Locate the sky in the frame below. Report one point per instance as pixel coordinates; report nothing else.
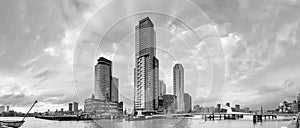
(240, 51)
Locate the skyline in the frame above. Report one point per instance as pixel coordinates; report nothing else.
(51, 59)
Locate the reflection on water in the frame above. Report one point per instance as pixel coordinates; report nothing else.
(156, 123)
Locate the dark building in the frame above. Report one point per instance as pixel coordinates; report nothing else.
(103, 78)
(169, 103)
(120, 107)
(237, 108)
(106, 86)
(187, 102)
(228, 104)
(298, 101)
(160, 104)
(218, 108)
(70, 107)
(115, 90)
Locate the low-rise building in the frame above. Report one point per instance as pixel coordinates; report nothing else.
(197, 108)
(99, 108)
(169, 103)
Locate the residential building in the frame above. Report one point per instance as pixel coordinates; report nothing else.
(178, 86)
(146, 71)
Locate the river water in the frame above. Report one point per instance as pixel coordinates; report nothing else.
(155, 123)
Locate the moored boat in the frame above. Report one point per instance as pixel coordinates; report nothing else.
(15, 123)
(12, 123)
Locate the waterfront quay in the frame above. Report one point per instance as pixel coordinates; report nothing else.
(236, 116)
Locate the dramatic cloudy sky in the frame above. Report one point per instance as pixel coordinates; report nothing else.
(240, 51)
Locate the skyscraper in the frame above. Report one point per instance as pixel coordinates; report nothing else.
(161, 88)
(146, 69)
(103, 73)
(114, 89)
(187, 102)
(178, 86)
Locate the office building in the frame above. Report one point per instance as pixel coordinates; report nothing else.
(178, 86)
(100, 108)
(146, 71)
(70, 107)
(187, 102)
(103, 74)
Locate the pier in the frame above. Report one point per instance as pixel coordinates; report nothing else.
(234, 116)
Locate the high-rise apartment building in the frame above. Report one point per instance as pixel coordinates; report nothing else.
(178, 86)
(146, 71)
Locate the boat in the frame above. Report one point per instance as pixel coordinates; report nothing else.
(15, 123)
(12, 123)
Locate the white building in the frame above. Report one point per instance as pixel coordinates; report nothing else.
(178, 86)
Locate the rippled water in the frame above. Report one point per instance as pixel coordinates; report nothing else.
(156, 123)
